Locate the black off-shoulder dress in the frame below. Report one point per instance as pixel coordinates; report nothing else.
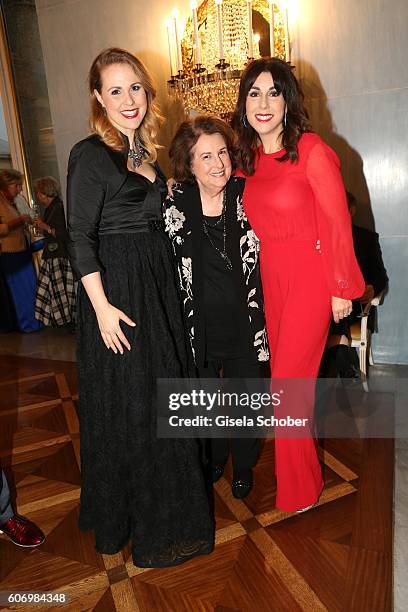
(134, 486)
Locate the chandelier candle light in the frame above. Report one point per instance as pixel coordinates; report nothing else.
(178, 46)
(207, 58)
(220, 35)
(171, 58)
(250, 33)
(271, 29)
(196, 35)
(286, 29)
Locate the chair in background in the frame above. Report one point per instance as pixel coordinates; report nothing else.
(361, 338)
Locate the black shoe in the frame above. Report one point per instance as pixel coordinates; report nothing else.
(241, 487)
(217, 472)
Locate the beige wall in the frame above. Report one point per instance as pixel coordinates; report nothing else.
(72, 34)
(352, 58)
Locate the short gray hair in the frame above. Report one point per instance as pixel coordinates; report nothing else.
(47, 185)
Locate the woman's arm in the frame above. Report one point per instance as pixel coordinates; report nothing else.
(17, 221)
(85, 201)
(107, 315)
(4, 229)
(56, 225)
(343, 274)
(85, 198)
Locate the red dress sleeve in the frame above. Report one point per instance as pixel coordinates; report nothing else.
(344, 276)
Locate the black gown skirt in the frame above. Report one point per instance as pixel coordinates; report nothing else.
(134, 485)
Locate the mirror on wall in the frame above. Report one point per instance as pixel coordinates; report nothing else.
(5, 157)
(22, 40)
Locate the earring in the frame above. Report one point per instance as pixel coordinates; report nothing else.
(245, 121)
(284, 118)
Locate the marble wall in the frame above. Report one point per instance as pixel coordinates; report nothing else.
(351, 58)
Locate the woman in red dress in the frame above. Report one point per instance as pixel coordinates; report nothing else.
(295, 201)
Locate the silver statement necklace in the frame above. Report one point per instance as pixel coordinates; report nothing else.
(137, 154)
(223, 253)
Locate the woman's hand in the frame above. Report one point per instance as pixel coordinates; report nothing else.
(341, 308)
(46, 228)
(108, 320)
(17, 221)
(41, 225)
(170, 184)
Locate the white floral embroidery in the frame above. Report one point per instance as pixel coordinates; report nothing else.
(185, 272)
(251, 302)
(186, 268)
(249, 248)
(174, 220)
(261, 340)
(241, 216)
(191, 336)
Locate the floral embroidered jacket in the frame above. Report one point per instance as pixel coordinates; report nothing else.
(184, 222)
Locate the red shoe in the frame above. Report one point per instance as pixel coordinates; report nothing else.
(22, 532)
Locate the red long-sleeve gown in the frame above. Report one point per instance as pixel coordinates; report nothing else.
(299, 213)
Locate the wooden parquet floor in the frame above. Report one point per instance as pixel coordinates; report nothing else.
(336, 557)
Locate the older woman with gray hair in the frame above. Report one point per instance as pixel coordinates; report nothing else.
(55, 300)
(216, 254)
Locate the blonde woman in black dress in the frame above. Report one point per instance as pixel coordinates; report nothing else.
(130, 330)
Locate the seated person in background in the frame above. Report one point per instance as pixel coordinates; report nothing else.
(368, 252)
(20, 530)
(55, 298)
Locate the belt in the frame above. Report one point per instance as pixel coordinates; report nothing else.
(156, 225)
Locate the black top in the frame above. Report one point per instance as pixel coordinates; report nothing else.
(137, 202)
(104, 197)
(54, 216)
(227, 291)
(369, 257)
(225, 312)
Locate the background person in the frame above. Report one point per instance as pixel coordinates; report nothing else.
(55, 297)
(8, 320)
(295, 201)
(16, 259)
(216, 253)
(130, 330)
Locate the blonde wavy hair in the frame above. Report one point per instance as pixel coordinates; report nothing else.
(9, 176)
(99, 122)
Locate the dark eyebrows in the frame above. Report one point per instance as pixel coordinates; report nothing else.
(272, 88)
(224, 148)
(119, 86)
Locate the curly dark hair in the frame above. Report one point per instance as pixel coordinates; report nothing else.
(297, 121)
(186, 137)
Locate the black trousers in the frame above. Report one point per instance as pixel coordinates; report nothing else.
(244, 451)
(6, 509)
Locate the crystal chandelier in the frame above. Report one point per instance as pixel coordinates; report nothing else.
(218, 40)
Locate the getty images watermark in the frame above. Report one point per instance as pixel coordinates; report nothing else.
(289, 408)
(216, 401)
(222, 408)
